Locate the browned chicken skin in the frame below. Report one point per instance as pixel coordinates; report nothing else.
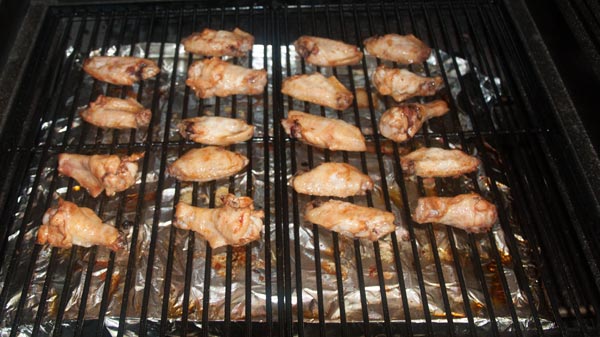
(215, 77)
(206, 164)
(96, 173)
(334, 180)
(120, 70)
(362, 99)
(219, 43)
(318, 89)
(214, 130)
(470, 212)
(350, 220)
(324, 133)
(402, 122)
(326, 52)
(402, 84)
(116, 113)
(436, 162)
(236, 223)
(405, 49)
(68, 225)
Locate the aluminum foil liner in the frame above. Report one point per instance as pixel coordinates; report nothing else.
(71, 131)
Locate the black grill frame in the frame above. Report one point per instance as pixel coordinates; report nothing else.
(562, 236)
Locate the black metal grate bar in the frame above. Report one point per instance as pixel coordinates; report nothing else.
(191, 236)
(450, 232)
(514, 251)
(472, 242)
(399, 180)
(162, 175)
(562, 270)
(16, 253)
(389, 287)
(36, 251)
(497, 259)
(54, 253)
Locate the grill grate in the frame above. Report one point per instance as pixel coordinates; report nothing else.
(83, 291)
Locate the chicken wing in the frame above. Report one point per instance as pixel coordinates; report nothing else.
(333, 180)
(219, 43)
(318, 89)
(327, 53)
(436, 162)
(324, 133)
(111, 173)
(236, 223)
(405, 49)
(402, 122)
(120, 70)
(206, 164)
(69, 224)
(213, 130)
(215, 77)
(350, 220)
(402, 84)
(116, 113)
(470, 212)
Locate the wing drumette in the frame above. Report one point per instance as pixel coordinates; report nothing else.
(350, 220)
(68, 225)
(120, 70)
(402, 84)
(213, 130)
(206, 164)
(404, 121)
(318, 89)
(96, 173)
(327, 53)
(405, 49)
(215, 77)
(116, 113)
(436, 162)
(470, 212)
(322, 132)
(236, 223)
(219, 43)
(334, 180)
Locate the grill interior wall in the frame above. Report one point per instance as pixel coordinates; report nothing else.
(509, 136)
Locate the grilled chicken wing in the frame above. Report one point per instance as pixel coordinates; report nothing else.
(206, 164)
(116, 113)
(69, 224)
(322, 132)
(402, 122)
(470, 212)
(350, 220)
(318, 89)
(405, 49)
(333, 180)
(236, 223)
(213, 130)
(215, 77)
(402, 84)
(327, 53)
(96, 173)
(120, 70)
(219, 43)
(436, 162)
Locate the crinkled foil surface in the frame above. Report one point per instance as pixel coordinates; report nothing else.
(452, 247)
